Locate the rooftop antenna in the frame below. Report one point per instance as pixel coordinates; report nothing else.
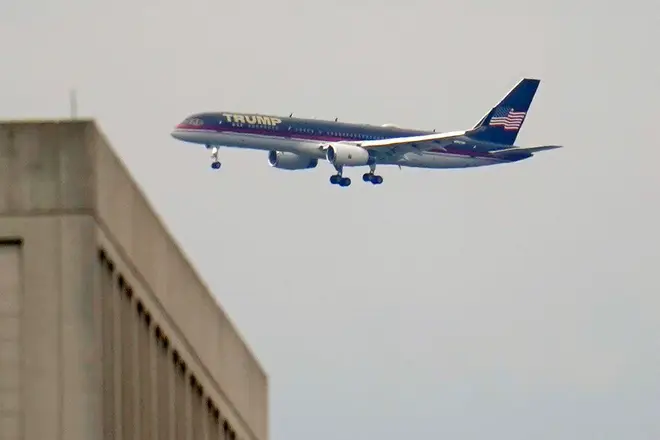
(73, 104)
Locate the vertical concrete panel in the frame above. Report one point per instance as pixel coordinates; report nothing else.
(11, 411)
(180, 407)
(81, 348)
(135, 369)
(203, 419)
(97, 300)
(188, 412)
(215, 426)
(225, 430)
(164, 390)
(195, 404)
(127, 363)
(118, 355)
(171, 410)
(199, 419)
(154, 378)
(107, 294)
(208, 419)
(42, 331)
(144, 364)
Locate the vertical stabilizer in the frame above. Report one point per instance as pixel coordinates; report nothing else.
(503, 122)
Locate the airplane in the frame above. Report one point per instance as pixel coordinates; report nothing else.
(298, 143)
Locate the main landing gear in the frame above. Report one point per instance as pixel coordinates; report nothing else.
(214, 157)
(371, 177)
(339, 179)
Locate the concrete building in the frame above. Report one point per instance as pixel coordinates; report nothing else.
(106, 331)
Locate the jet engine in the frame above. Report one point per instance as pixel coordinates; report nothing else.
(347, 155)
(290, 161)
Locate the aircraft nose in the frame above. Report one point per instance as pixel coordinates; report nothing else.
(176, 133)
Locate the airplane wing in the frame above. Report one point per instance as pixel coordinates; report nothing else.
(421, 141)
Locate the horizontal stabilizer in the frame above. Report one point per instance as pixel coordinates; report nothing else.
(528, 151)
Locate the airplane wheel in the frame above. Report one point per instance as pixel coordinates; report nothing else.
(335, 179)
(366, 177)
(345, 181)
(216, 165)
(377, 180)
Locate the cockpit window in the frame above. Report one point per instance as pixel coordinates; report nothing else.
(194, 121)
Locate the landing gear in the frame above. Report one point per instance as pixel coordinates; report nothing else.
(338, 179)
(214, 157)
(371, 177)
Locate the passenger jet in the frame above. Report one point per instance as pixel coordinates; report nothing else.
(297, 143)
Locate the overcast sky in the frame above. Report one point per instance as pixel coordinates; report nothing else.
(511, 302)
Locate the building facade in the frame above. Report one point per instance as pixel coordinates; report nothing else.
(106, 331)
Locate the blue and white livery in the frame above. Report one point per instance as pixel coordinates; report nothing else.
(297, 143)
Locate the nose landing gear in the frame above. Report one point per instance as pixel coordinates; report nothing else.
(215, 164)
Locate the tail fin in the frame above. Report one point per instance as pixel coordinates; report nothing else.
(503, 122)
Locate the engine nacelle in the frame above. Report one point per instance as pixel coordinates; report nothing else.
(291, 161)
(347, 155)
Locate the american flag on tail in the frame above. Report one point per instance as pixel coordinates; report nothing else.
(508, 118)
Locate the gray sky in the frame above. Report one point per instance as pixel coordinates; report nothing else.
(514, 302)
